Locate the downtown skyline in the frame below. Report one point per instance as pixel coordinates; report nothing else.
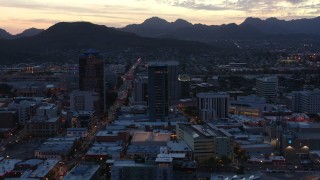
(18, 15)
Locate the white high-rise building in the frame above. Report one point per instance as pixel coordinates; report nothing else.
(306, 101)
(267, 87)
(213, 105)
(83, 100)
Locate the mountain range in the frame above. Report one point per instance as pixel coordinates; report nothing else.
(26, 33)
(65, 40)
(251, 28)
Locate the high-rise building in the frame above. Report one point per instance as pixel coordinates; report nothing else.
(213, 105)
(162, 88)
(91, 76)
(184, 86)
(267, 87)
(306, 101)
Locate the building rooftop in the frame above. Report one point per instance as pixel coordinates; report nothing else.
(31, 162)
(164, 160)
(144, 149)
(177, 146)
(104, 149)
(163, 63)
(268, 79)
(212, 94)
(82, 171)
(308, 135)
(47, 106)
(7, 165)
(44, 168)
(205, 131)
(172, 155)
(109, 132)
(149, 136)
(41, 118)
(129, 163)
(56, 147)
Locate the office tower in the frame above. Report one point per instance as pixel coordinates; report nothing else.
(91, 76)
(267, 87)
(184, 86)
(306, 101)
(162, 88)
(213, 105)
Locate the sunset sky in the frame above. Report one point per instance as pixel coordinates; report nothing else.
(17, 15)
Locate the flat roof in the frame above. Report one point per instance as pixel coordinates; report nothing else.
(164, 159)
(172, 155)
(150, 136)
(7, 165)
(104, 149)
(57, 147)
(163, 63)
(147, 149)
(31, 162)
(77, 129)
(129, 163)
(47, 106)
(177, 146)
(262, 145)
(44, 168)
(308, 135)
(82, 171)
(109, 132)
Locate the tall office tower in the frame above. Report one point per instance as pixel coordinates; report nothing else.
(91, 76)
(162, 88)
(184, 86)
(213, 105)
(267, 87)
(306, 101)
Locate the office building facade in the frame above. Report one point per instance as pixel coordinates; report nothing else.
(91, 76)
(213, 105)
(267, 87)
(162, 88)
(306, 101)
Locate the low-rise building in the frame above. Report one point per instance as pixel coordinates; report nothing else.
(112, 136)
(206, 140)
(150, 138)
(77, 132)
(100, 151)
(84, 171)
(55, 148)
(149, 169)
(44, 126)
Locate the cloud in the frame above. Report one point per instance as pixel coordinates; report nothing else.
(296, 1)
(192, 4)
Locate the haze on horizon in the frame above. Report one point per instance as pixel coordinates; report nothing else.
(18, 15)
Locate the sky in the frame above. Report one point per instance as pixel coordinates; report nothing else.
(18, 15)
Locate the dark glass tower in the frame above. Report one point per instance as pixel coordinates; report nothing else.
(91, 76)
(162, 89)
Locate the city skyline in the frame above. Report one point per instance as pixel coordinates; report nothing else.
(19, 15)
